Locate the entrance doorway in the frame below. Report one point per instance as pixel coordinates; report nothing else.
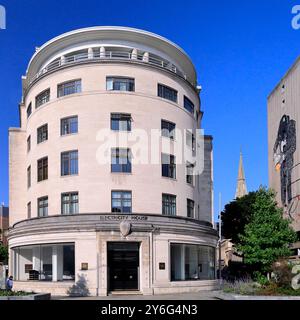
(123, 265)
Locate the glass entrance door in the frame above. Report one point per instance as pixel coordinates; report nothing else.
(123, 266)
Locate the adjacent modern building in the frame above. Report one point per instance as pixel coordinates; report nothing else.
(4, 223)
(82, 225)
(284, 145)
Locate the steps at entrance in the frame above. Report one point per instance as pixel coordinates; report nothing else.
(123, 293)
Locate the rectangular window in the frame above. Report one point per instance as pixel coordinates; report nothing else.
(69, 125)
(188, 105)
(192, 262)
(167, 93)
(168, 166)
(67, 88)
(190, 208)
(119, 84)
(121, 201)
(168, 205)
(29, 177)
(29, 210)
(42, 166)
(29, 110)
(69, 203)
(190, 140)
(120, 122)
(42, 98)
(43, 207)
(69, 163)
(28, 143)
(168, 129)
(121, 160)
(42, 133)
(190, 173)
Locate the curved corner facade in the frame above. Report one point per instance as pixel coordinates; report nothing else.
(100, 198)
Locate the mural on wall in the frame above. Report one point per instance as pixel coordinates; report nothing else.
(284, 149)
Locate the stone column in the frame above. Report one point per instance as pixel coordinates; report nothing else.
(146, 57)
(90, 53)
(57, 263)
(134, 54)
(102, 52)
(182, 261)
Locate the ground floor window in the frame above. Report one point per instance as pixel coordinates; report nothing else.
(50, 262)
(192, 262)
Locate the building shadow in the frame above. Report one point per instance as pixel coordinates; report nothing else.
(80, 288)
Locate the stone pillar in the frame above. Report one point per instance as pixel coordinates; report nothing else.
(134, 54)
(62, 60)
(36, 258)
(146, 57)
(182, 262)
(90, 53)
(102, 52)
(57, 263)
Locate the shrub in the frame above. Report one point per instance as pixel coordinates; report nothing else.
(282, 273)
(243, 287)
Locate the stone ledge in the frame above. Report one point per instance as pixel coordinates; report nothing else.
(230, 296)
(38, 296)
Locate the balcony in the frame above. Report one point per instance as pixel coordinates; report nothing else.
(98, 55)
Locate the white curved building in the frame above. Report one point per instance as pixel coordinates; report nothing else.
(82, 224)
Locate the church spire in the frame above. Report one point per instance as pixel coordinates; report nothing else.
(241, 188)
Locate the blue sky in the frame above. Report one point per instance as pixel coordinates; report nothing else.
(241, 49)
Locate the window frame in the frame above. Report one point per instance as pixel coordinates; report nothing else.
(42, 98)
(190, 166)
(126, 117)
(170, 166)
(29, 110)
(69, 126)
(129, 84)
(74, 204)
(41, 166)
(43, 207)
(29, 177)
(161, 88)
(188, 105)
(125, 167)
(122, 200)
(171, 133)
(190, 205)
(70, 159)
(42, 133)
(67, 85)
(169, 206)
(28, 143)
(29, 210)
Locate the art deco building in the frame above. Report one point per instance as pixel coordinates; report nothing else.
(4, 224)
(79, 223)
(284, 144)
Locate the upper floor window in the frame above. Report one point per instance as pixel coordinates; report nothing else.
(190, 173)
(42, 167)
(168, 129)
(67, 88)
(29, 210)
(69, 163)
(29, 177)
(121, 201)
(190, 140)
(168, 205)
(69, 125)
(188, 105)
(120, 122)
(168, 166)
(42, 98)
(190, 208)
(42, 133)
(167, 93)
(69, 203)
(29, 110)
(120, 160)
(43, 207)
(119, 84)
(28, 143)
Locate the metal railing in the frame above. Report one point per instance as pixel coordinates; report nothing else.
(109, 55)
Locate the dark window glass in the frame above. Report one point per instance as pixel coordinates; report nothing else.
(29, 210)
(69, 125)
(120, 122)
(121, 160)
(190, 140)
(43, 207)
(168, 129)
(188, 105)
(68, 88)
(167, 93)
(29, 110)
(69, 203)
(119, 84)
(190, 208)
(42, 133)
(168, 205)
(29, 177)
(121, 201)
(42, 167)
(69, 163)
(190, 173)
(168, 166)
(28, 143)
(42, 98)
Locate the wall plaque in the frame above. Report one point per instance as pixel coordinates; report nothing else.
(162, 266)
(84, 266)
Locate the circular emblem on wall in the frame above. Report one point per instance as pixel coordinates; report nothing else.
(125, 228)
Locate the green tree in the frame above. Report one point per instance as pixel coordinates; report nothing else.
(268, 235)
(236, 216)
(3, 254)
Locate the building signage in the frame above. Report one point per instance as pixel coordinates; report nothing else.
(123, 218)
